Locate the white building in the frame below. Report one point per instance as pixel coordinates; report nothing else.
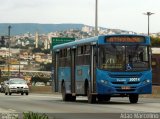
(155, 50)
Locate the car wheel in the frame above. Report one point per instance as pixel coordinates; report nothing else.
(6, 93)
(22, 93)
(10, 93)
(27, 93)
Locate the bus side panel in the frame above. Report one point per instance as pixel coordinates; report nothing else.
(64, 74)
(82, 74)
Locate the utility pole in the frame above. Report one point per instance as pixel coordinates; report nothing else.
(148, 14)
(9, 57)
(19, 64)
(96, 18)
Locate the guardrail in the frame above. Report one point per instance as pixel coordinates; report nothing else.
(14, 73)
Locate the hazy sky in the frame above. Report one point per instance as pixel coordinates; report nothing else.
(119, 14)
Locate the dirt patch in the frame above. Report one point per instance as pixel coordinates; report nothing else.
(41, 89)
(155, 92)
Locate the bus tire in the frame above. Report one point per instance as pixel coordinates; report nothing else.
(102, 98)
(73, 98)
(91, 97)
(65, 97)
(133, 98)
(86, 87)
(107, 98)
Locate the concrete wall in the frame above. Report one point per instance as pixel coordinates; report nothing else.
(48, 89)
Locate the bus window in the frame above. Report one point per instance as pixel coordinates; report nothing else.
(87, 51)
(68, 52)
(79, 51)
(137, 57)
(112, 58)
(60, 53)
(82, 49)
(119, 57)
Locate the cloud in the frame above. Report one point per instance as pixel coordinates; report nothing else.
(24, 4)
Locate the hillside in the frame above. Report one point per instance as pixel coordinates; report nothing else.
(21, 28)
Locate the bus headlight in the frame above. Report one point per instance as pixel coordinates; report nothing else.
(104, 81)
(146, 81)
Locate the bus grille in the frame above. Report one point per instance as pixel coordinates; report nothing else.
(137, 82)
(121, 90)
(117, 82)
(125, 75)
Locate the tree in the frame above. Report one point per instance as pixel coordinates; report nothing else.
(36, 50)
(46, 51)
(155, 41)
(2, 41)
(46, 67)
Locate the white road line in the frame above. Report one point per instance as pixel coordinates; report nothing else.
(2, 110)
(12, 110)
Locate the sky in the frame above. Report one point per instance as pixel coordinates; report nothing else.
(115, 14)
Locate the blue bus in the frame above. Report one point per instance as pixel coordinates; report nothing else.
(102, 67)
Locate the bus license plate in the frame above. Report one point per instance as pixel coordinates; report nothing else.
(125, 87)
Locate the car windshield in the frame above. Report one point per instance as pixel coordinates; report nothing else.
(17, 81)
(124, 58)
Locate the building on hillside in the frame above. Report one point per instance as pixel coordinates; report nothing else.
(36, 39)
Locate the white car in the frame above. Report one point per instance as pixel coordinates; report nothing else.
(40, 84)
(17, 85)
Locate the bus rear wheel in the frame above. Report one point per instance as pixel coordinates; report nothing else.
(73, 98)
(102, 98)
(65, 97)
(91, 97)
(133, 98)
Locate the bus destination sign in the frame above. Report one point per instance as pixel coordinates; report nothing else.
(125, 39)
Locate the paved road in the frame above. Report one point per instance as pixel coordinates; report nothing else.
(53, 104)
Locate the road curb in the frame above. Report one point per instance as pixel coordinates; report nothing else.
(48, 90)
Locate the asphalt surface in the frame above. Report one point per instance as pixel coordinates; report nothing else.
(55, 108)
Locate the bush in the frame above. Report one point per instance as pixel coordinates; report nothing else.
(39, 79)
(31, 115)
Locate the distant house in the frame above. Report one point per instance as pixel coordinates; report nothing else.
(41, 57)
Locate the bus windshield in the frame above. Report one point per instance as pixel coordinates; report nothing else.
(124, 58)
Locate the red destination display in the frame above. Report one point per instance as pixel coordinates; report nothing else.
(125, 39)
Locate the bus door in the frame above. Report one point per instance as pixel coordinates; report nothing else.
(73, 68)
(56, 82)
(93, 69)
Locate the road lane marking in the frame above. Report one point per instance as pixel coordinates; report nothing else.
(12, 110)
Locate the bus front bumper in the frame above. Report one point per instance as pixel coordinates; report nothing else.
(124, 89)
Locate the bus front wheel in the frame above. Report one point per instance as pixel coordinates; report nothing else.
(133, 98)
